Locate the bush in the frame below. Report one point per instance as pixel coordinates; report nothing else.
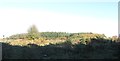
(33, 33)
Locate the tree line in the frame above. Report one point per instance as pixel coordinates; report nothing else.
(33, 34)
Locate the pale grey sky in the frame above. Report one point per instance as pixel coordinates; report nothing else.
(97, 17)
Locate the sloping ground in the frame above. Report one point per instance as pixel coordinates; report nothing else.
(40, 42)
(66, 50)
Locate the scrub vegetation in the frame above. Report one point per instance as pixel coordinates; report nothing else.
(60, 45)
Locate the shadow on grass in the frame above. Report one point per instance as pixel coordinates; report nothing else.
(96, 49)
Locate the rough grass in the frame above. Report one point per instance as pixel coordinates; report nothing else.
(39, 42)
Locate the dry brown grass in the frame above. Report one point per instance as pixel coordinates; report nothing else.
(40, 42)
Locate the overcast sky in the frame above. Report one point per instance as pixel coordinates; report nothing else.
(99, 16)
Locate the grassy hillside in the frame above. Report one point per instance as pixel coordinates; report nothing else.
(76, 46)
(96, 49)
(60, 45)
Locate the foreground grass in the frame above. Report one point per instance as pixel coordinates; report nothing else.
(65, 50)
(39, 42)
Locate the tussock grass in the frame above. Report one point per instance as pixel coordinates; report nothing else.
(39, 42)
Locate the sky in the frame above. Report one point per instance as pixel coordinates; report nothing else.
(100, 16)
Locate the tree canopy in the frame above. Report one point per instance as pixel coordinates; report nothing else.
(33, 32)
